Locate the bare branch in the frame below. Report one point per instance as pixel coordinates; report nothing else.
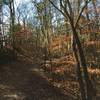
(70, 8)
(78, 18)
(65, 13)
(57, 8)
(64, 8)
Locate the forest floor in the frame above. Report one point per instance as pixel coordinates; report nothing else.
(24, 81)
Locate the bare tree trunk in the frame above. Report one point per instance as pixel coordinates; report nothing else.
(79, 73)
(88, 84)
(12, 21)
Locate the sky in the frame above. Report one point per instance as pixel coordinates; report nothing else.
(16, 4)
(23, 1)
(19, 1)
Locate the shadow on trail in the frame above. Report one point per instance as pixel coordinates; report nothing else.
(19, 82)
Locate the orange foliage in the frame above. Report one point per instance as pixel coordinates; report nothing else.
(23, 33)
(60, 70)
(57, 42)
(89, 31)
(91, 43)
(94, 71)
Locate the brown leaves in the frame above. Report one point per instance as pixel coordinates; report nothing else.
(23, 33)
(93, 43)
(58, 42)
(94, 71)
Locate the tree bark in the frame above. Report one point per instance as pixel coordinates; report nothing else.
(79, 73)
(88, 84)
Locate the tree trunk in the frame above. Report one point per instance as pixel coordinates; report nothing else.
(79, 73)
(12, 22)
(88, 84)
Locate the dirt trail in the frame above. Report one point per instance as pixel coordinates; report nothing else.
(21, 81)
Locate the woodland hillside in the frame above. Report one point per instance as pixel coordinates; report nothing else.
(50, 50)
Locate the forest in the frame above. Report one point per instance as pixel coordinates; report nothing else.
(49, 49)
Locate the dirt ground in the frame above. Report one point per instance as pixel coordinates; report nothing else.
(24, 81)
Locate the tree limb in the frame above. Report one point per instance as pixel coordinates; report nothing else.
(57, 8)
(78, 18)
